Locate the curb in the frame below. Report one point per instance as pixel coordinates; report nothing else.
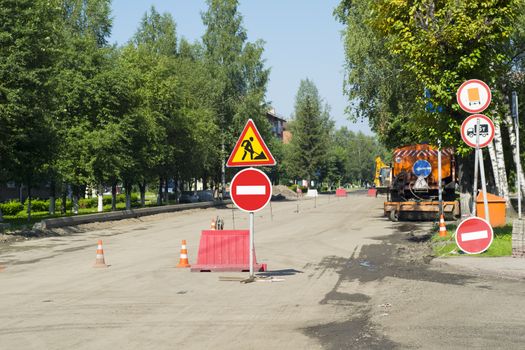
(122, 214)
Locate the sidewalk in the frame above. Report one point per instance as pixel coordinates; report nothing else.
(508, 267)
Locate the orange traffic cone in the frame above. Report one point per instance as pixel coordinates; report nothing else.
(100, 262)
(183, 262)
(442, 226)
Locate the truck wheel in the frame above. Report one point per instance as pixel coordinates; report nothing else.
(394, 216)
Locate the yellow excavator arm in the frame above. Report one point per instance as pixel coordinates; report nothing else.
(379, 165)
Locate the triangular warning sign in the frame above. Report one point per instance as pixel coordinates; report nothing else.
(250, 149)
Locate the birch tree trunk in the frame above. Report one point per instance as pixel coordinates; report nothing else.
(500, 159)
(100, 199)
(513, 142)
(493, 162)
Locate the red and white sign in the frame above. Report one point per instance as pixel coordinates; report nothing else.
(251, 190)
(474, 235)
(470, 126)
(474, 96)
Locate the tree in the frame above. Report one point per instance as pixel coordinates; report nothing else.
(29, 46)
(310, 128)
(377, 86)
(157, 32)
(437, 46)
(237, 70)
(80, 108)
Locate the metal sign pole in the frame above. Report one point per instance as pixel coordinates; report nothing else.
(483, 186)
(476, 162)
(440, 189)
(518, 160)
(251, 244)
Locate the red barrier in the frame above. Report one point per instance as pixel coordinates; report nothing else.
(372, 192)
(225, 250)
(340, 192)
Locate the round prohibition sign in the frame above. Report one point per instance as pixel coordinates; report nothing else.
(474, 235)
(250, 190)
(474, 96)
(469, 129)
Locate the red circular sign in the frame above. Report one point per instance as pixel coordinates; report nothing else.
(469, 128)
(251, 190)
(474, 96)
(474, 235)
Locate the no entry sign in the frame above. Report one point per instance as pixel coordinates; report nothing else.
(474, 235)
(469, 128)
(251, 190)
(473, 96)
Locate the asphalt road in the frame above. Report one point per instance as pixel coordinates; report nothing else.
(352, 280)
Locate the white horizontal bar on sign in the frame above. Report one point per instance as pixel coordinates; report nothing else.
(470, 236)
(251, 190)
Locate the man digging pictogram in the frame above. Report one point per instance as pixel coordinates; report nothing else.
(248, 148)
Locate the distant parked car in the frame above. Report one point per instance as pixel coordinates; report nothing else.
(188, 197)
(205, 196)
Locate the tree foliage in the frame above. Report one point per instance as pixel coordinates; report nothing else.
(78, 111)
(426, 46)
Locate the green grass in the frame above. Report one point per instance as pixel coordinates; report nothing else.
(446, 246)
(19, 221)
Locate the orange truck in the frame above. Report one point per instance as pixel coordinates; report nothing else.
(413, 191)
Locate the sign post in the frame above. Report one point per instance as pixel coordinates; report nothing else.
(478, 131)
(251, 189)
(440, 187)
(518, 160)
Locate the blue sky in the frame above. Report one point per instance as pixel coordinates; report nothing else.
(302, 38)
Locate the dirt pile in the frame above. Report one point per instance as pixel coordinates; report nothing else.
(283, 192)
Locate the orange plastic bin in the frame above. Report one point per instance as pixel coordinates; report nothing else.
(497, 209)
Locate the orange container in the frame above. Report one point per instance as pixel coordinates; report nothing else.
(497, 209)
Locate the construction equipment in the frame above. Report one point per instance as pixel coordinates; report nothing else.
(382, 176)
(413, 188)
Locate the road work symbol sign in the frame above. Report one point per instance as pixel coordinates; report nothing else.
(474, 96)
(250, 149)
(469, 129)
(474, 235)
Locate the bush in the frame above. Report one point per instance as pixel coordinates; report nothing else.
(58, 204)
(304, 189)
(11, 207)
(106, 200)
(293, 187)
(37, 205)
(85, 203)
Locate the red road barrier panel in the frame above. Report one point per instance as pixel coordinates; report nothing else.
(372, 192)
(226, 250)
(340, 192)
